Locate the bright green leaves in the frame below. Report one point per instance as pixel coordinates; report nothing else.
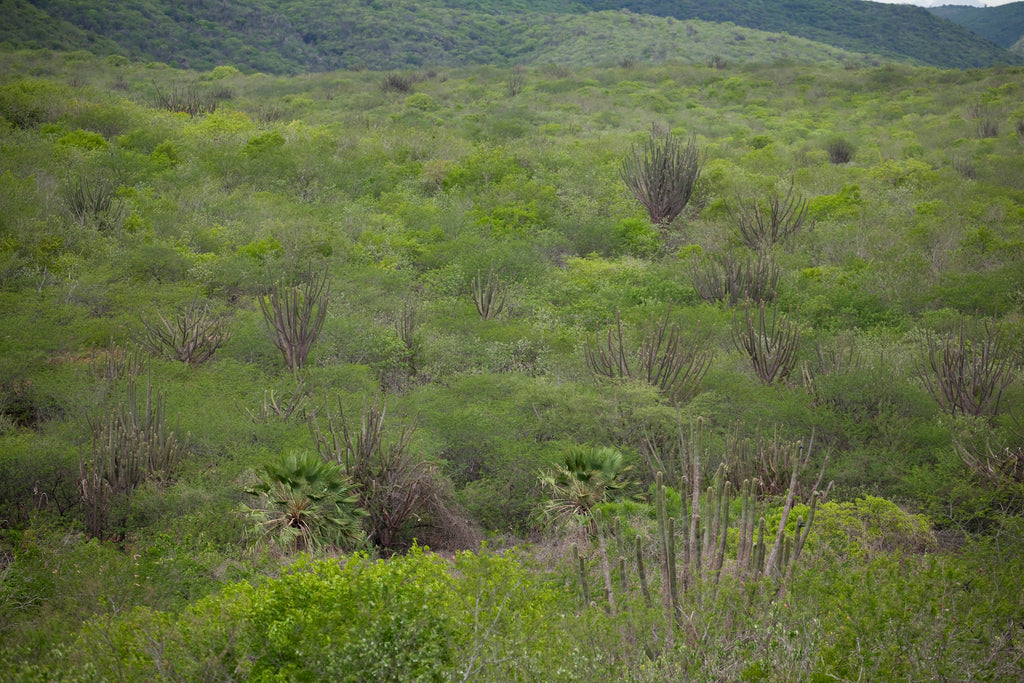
(83, 140)
(413, 618)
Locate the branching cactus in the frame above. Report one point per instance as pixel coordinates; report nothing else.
(488, 295)
(673, 362)
(192, 336)
(732, 279)
(965, 375)
(295, 314)
(661, 172)
(703, 526)
(130, 442)
(761, 226)
(771, 345)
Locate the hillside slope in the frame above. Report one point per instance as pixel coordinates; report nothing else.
(279, 36)
(898, 31)
(1003, 25)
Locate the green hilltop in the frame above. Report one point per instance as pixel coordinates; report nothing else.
(901, 32)
(275, 36)
(1003, 25)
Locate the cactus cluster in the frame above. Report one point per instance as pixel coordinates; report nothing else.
(673, 362)
(488, 295)
(694, 549)
(130, 442)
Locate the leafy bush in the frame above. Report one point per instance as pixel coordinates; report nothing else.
(845, 204)
(264, 143)
(421, 101)
(30, 102)
(870, 526)
(82, 139)
(636, 237)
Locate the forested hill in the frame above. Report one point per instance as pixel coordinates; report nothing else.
(899, 31)
(292, 36)
(1003, 25)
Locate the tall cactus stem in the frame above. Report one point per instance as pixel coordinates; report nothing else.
(673, 587)
(666, 595)
(694, 471)
(606, 571)
(759, 550)
(724, 538)
(642, 572)
(581, 573)
(802, 530)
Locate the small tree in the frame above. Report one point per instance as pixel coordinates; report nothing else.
(661, 172)
(294, 315)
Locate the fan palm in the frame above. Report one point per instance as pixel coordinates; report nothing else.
(584, 478)
(305, 503)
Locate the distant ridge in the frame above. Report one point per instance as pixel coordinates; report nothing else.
(1003, 25)
(900, 31)
(292, 36)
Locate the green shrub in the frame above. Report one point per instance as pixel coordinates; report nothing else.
(224, 71)
(157, 262)
(82, 139)
(165, 154)
(421, 101)
(869, 526)
(264, 143)
(906, 172)
(843, 205)
(636, 237)
(30, 102)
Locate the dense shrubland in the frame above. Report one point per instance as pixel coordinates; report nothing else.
(267, 328)
(300, 36)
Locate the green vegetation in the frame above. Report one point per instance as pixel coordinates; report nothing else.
(255, 359)
(896, 31)
(1003, 25)
(278, 36)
